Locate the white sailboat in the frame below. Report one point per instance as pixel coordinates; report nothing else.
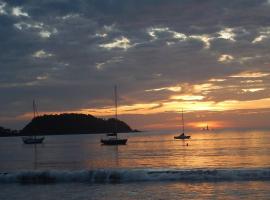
(33, 139)
(112, 138)
(182, 135)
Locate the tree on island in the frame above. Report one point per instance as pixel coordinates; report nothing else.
(72, 124)
(7, 132)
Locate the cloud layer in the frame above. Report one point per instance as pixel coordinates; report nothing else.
(162, 55)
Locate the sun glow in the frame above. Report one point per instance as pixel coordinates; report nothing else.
(187, 97)
(253, 89)
(172, 88)
(170, 106)
(212, 125)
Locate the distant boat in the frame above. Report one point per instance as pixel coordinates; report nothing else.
(111, 134)
(206, 128)
(33, 139)
(182, 136)
(112, 138)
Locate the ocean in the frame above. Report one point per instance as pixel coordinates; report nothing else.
(211, 165)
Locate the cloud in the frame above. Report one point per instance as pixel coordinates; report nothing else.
(43, 77)
(172, 88)
(41, 54)
(247, 74)
(158, 32)
(152, 50)
(120, 43)
(252, 81)
(195, 106)
(70, 16)
(217, 79)
(99, 66)
(25, 25)
(259, 39)
(205, 88)
(44, 31)
(187, 97)
(102, 65)
(101, 35)
(18, 12)
(204, 38)
(226, 58)
(47, 34)
(253, 89)
(264, 34)
(2, 8)
(227, 34)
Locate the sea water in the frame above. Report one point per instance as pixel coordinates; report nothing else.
(211, 165)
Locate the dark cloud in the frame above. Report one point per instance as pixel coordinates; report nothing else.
(67, 53)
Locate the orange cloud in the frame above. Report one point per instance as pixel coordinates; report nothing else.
(248, 74)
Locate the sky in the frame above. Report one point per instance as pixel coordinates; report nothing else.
(209, 58)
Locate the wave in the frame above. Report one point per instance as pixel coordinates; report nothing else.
(135, 175)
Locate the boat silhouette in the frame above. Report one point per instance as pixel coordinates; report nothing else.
(112, 138)
(182, 136)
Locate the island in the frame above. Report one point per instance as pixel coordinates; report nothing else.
(70, 123)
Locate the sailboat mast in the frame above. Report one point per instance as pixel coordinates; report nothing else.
(35, 113)
(183, 122)
(34, 108)
(115, 100)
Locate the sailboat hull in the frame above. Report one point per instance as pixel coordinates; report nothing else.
(113, 141)
(182, 137)
(33, 139)
(30, 140)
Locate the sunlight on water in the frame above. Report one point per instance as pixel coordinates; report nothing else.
(144, 150)
(204, 150)
(214, 165)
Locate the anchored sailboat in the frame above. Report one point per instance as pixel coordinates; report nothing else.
(112, 138)
(206, 128)
(33, 139)
(182, 136)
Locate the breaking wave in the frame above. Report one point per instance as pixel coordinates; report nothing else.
(135, 175)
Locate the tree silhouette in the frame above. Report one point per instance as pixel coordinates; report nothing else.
(72, 124)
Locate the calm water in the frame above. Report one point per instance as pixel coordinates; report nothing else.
(216, 165)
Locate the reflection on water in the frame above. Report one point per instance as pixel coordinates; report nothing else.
(144, 150)
(148, 191)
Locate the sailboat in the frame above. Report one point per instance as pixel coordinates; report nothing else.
(33, 139)
(112, 138)
(206, 128)
(182, 136)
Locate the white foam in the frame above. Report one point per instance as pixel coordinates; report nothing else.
(135, 175)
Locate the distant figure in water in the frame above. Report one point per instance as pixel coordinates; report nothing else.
(187, 144)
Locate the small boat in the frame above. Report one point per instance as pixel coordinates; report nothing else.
(112, 138)
(33, 139)
(206, 128)
(113, 141)
(182, 136)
